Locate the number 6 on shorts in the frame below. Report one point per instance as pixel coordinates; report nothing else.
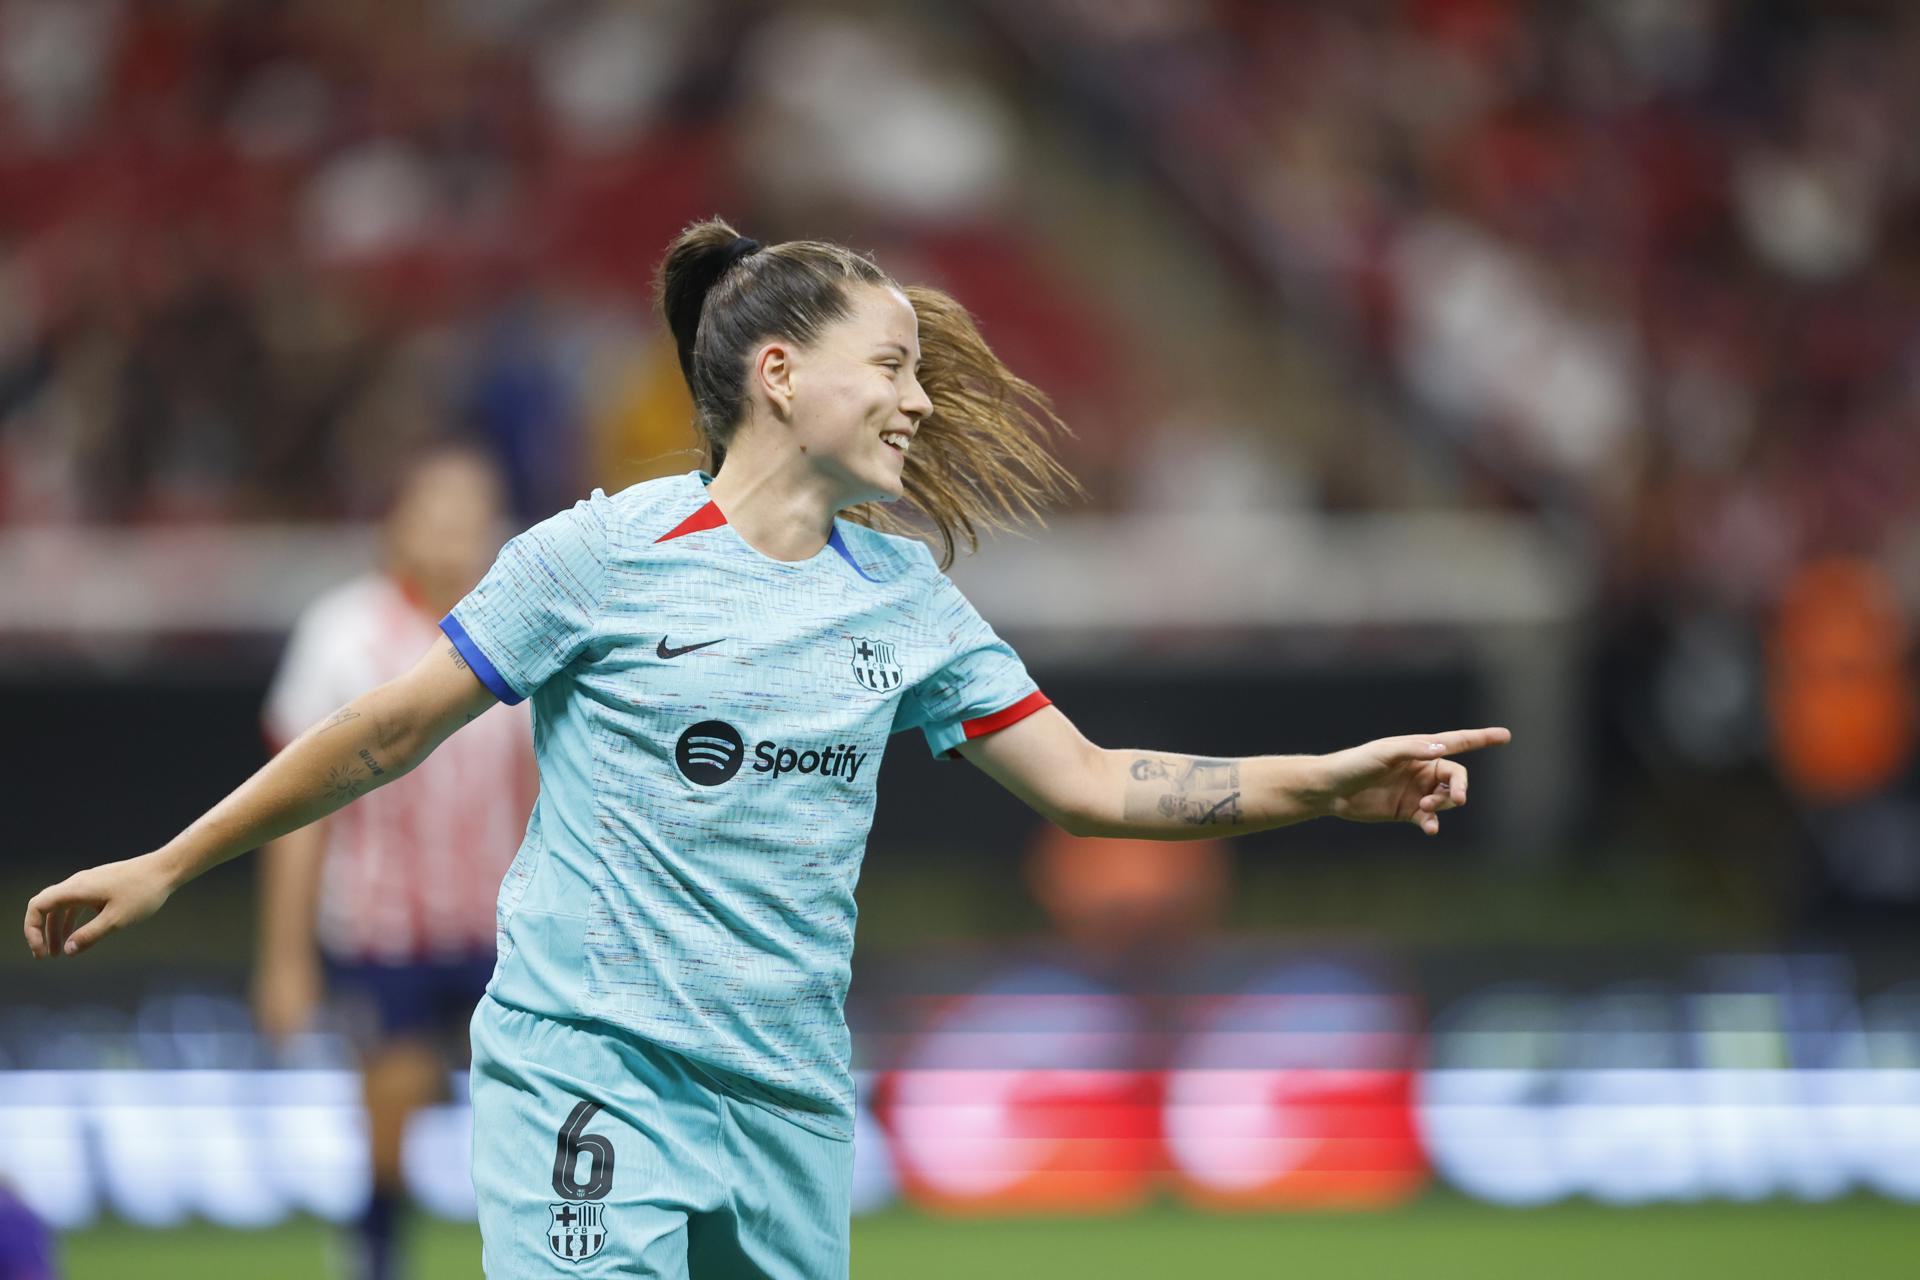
(573, 1144)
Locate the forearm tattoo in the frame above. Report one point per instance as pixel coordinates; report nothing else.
(344, 784)
(1193, 790)
(339, 718)
(386, 731)
(373, 766)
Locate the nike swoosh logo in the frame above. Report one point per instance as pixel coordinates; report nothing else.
(668, 651)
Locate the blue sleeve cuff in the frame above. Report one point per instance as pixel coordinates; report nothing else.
(481, 664)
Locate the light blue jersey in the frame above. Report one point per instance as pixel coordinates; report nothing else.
(709, 724)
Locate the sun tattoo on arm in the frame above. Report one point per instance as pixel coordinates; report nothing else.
(345, 784)
(1193, 790)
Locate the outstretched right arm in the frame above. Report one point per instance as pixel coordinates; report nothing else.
(374, 739)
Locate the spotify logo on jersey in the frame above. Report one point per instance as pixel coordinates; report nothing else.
(710, 752)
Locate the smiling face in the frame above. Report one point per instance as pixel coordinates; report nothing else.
(856, 398)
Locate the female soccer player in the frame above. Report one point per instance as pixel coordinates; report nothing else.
(661, 1080)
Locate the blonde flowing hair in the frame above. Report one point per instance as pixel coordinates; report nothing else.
(980, 461)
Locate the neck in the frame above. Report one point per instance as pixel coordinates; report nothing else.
(775, 500)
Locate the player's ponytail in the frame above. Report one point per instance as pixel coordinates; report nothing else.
(694, 264)
(692, 267)
(979, 460)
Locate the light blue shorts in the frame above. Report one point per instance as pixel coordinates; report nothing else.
(598, 1154)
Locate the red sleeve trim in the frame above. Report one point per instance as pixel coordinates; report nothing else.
(1019, 711)
(707, 517)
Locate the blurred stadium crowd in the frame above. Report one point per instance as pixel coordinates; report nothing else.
(1651, 264)
(249, 251)
(1648, 265)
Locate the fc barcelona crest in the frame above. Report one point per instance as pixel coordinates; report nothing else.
(874, 666)
(576, 1233)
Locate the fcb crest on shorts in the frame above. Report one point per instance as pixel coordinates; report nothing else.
(576, 1231)
(874, 665)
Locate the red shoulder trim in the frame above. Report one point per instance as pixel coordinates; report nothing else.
(1019, 711)
(707, 517)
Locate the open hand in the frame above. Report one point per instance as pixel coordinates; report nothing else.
(1404, 779)
(116, 894)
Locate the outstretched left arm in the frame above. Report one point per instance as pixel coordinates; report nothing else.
(1094, 791)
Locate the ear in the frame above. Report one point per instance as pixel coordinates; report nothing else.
(773, 375)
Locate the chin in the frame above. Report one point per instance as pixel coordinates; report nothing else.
(870, 483)
(886, 488)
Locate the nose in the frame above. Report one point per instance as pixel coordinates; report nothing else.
(916, 404)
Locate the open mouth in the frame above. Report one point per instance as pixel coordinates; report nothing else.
(898, 441)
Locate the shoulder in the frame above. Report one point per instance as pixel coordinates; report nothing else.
(890, 558)
(649, 498)
(603, 522)
(640, 513)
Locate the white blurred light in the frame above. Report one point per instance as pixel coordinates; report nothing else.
(243, 1149)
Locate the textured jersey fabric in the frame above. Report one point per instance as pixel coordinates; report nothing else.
(709, 724)
(411, 871)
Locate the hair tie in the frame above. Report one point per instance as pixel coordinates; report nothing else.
(740, 248)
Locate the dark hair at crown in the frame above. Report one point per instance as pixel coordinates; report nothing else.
(723, 294)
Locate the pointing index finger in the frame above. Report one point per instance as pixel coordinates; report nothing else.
(1455, 741)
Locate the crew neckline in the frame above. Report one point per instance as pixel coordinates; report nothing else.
(836, 541)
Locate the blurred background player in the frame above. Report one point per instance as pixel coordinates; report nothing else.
(391, 903)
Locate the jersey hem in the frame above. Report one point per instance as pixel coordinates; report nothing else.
(835, 1123)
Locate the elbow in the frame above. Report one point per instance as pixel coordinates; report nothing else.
(1078, 811)
(1076, 822)
(399, 737)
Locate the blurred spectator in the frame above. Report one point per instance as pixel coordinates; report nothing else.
(847, 111)
(1843, 697)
